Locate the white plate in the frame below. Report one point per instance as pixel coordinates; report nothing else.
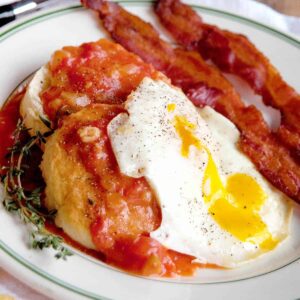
(27, 45)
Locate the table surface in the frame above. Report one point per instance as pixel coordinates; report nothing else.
(289, 7)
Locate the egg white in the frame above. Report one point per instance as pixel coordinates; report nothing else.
(145, 143)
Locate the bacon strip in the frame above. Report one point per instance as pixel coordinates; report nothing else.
(204, 84)
(234, 53)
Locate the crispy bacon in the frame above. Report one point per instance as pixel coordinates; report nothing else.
(204, 84)
(234, 53)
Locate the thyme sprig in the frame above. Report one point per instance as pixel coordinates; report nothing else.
(24, 202)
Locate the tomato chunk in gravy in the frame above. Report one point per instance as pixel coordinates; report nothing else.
(97, 72)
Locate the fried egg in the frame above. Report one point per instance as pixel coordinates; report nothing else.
(215, 204)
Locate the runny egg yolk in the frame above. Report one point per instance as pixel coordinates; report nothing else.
(234, 206)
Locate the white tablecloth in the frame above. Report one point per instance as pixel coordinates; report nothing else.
(248, 8)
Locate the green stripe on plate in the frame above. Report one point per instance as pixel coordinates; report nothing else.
(10, 252)
(20, 26)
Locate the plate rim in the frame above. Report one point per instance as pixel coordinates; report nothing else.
(19, 25)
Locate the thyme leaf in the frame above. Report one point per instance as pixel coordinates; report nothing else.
(27, 203)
